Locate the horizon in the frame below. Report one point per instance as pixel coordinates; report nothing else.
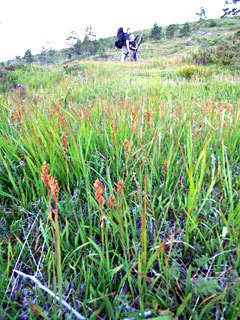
(24, 26)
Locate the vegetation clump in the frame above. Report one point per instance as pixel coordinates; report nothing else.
(225, 53)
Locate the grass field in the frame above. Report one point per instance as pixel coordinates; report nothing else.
(120, 192)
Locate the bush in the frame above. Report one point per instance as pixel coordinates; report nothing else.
(192, 70)
(171, 30)
(203, 56)
(212, 23)
(185, 30)
(225, 53)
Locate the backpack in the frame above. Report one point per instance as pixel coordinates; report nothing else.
(120, 38)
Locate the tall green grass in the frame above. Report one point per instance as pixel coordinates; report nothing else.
(168, 245)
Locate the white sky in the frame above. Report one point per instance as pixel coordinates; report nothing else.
(32, 24)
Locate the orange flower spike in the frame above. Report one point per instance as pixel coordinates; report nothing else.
(111, 202)
(64, 141)
(145, 116)
(96, 184)
(44, 177)
(165, 165)
(53, 184)
(113, 126)
(99, 189)
(234, 119)
(133, 114)
(196, 133)
(45, 167)
(120, 187)
(12, 115)
(63, 120)
(126, 143)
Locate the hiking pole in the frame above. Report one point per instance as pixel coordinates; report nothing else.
(126, 54)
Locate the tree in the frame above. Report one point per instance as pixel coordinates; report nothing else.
(156, 32)
(90, 34)
(231, 11)
(89, 42)
(100, 47)
(185, 30)
(202, 14)
(74, 43)
(28, 56)
(171, 30)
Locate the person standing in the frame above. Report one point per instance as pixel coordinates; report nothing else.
(125, 48)
(133, 48)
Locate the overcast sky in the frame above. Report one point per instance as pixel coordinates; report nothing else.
(32, 24)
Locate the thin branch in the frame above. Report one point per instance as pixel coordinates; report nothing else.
(52, 294)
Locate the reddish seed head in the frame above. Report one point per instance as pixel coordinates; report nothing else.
(64, 141)
(111, 202)
(120, 187)
(99, 189)
(165, 165)
(126, 142)
(63, 120)
(53, 184)
(45, 167)
(113, 125)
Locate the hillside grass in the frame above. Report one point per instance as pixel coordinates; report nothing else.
(138, 213)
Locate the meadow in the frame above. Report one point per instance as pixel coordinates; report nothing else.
(119, 192)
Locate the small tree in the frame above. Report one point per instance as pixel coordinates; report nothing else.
(89, 42)
(100, 47)
(90, 34)
(171, 30)
(185, 30)
(202, 14)
(156, 32)
(74, 44)
(28, 56)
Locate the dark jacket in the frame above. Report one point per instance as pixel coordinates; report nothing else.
(126, 37)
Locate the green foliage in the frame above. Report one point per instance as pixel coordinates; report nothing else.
(192, 70)
(156, 32)
(226, 53)
(168, 246)
(185, 30)
(212, 23)
(28, 57)
(171, 30)
(170, 238)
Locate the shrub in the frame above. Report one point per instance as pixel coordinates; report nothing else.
(225, 53)
(171, 30)
(192, 70)
(185, 30)
(212, 23)
(202, 56)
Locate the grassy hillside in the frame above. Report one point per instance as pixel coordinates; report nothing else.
(120, 187)
(204, 34)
